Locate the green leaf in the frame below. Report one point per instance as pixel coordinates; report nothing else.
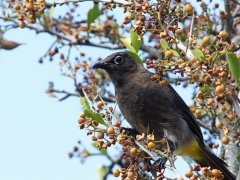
(103, 151)
(164, 44)
(206, 88)
(134, 41)
(127, 43)
(182, 38)
(101, 172)
(92, 15)
(238, 158)
(199, 54)
(175, 53)
(84, 103)
(135, 57)
(215, 57)
(97, 117)
(234, 66)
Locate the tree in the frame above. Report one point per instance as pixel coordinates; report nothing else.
(185, 46)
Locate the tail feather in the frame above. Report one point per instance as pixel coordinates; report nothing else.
(210, 159)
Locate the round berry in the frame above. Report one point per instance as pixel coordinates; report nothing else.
(16, 7)
(219, 89)
(169, 54)
(189, 9)
(116, 172)
(195, 77)
(179, 32)
(99, 104)
(29, 6)
(225, 140)
(206, 40)
(22, 24)
(133, 151)
(100, 135)
(219, 125)
(110, 130)
(216, 173)
(223, 34)
(188, 174)
(130, 175)
(163, 83)
(82, 115)
(151, 145)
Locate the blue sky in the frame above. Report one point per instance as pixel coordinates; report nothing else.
(36, 131)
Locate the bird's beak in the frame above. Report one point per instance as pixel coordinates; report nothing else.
(101, 65)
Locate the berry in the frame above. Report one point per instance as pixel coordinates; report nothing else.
(22, 24)
(206, 40)
(130, 175)
(188, 174)
(219, 89)
(230, 117)
(29, 6)
(81, 120)
(179, 32)
(216, 173)
(195, 77)
(100, 135)
(219, 125)
(133, 151)
(116, 172)
(223, 34)
(169, 54)
(82, 115)
(163, 83)
(189, 9)
(94, 138)
(110, 130)
(151, 145)
(16, 7)
(99, 104)
(225, 140)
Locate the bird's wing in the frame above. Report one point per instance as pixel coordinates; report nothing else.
(187, 115)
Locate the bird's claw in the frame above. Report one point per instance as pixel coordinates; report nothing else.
(129, 131)
(161, 163)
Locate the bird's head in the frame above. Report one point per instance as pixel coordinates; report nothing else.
(119, 66)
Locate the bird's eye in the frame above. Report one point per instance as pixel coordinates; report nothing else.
(118, 60)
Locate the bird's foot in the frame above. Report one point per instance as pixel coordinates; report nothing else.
(129, 131)
(161, 163)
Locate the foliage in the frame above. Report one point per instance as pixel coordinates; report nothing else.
(185, 46)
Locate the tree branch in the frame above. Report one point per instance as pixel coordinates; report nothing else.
(62, 2)
(211, 129)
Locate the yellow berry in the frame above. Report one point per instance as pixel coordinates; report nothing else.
(144, 168)
(82, 115)
(216, 173)
(133, 151)
(151, 145)
(16, 7)
(22, 24)
(116, 172)
(219, 125)
(198, 113)
(195, 77)
(189, 9)
(223, 34)
(163, 83)
(130, 175)
(188, 174)
(206, 40)
(230, 117)
(225, 140)
(100, 135)
(179, 32)
(219, 89)
(169, 54)
(110, 130)
(29, 6)
(99, 104)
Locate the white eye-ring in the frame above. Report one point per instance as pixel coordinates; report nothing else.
(118, 60)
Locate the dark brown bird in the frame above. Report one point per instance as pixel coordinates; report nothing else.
(149, 107)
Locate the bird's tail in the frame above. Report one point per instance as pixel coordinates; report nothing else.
(210, 159)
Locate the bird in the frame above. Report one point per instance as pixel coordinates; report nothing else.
(149, 107)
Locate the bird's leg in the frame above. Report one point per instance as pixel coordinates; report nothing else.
(161, 163)
(171, 150)
(129, 131)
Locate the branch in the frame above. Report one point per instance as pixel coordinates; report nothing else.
(211, 129)
(228, 20)
(123, 2)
